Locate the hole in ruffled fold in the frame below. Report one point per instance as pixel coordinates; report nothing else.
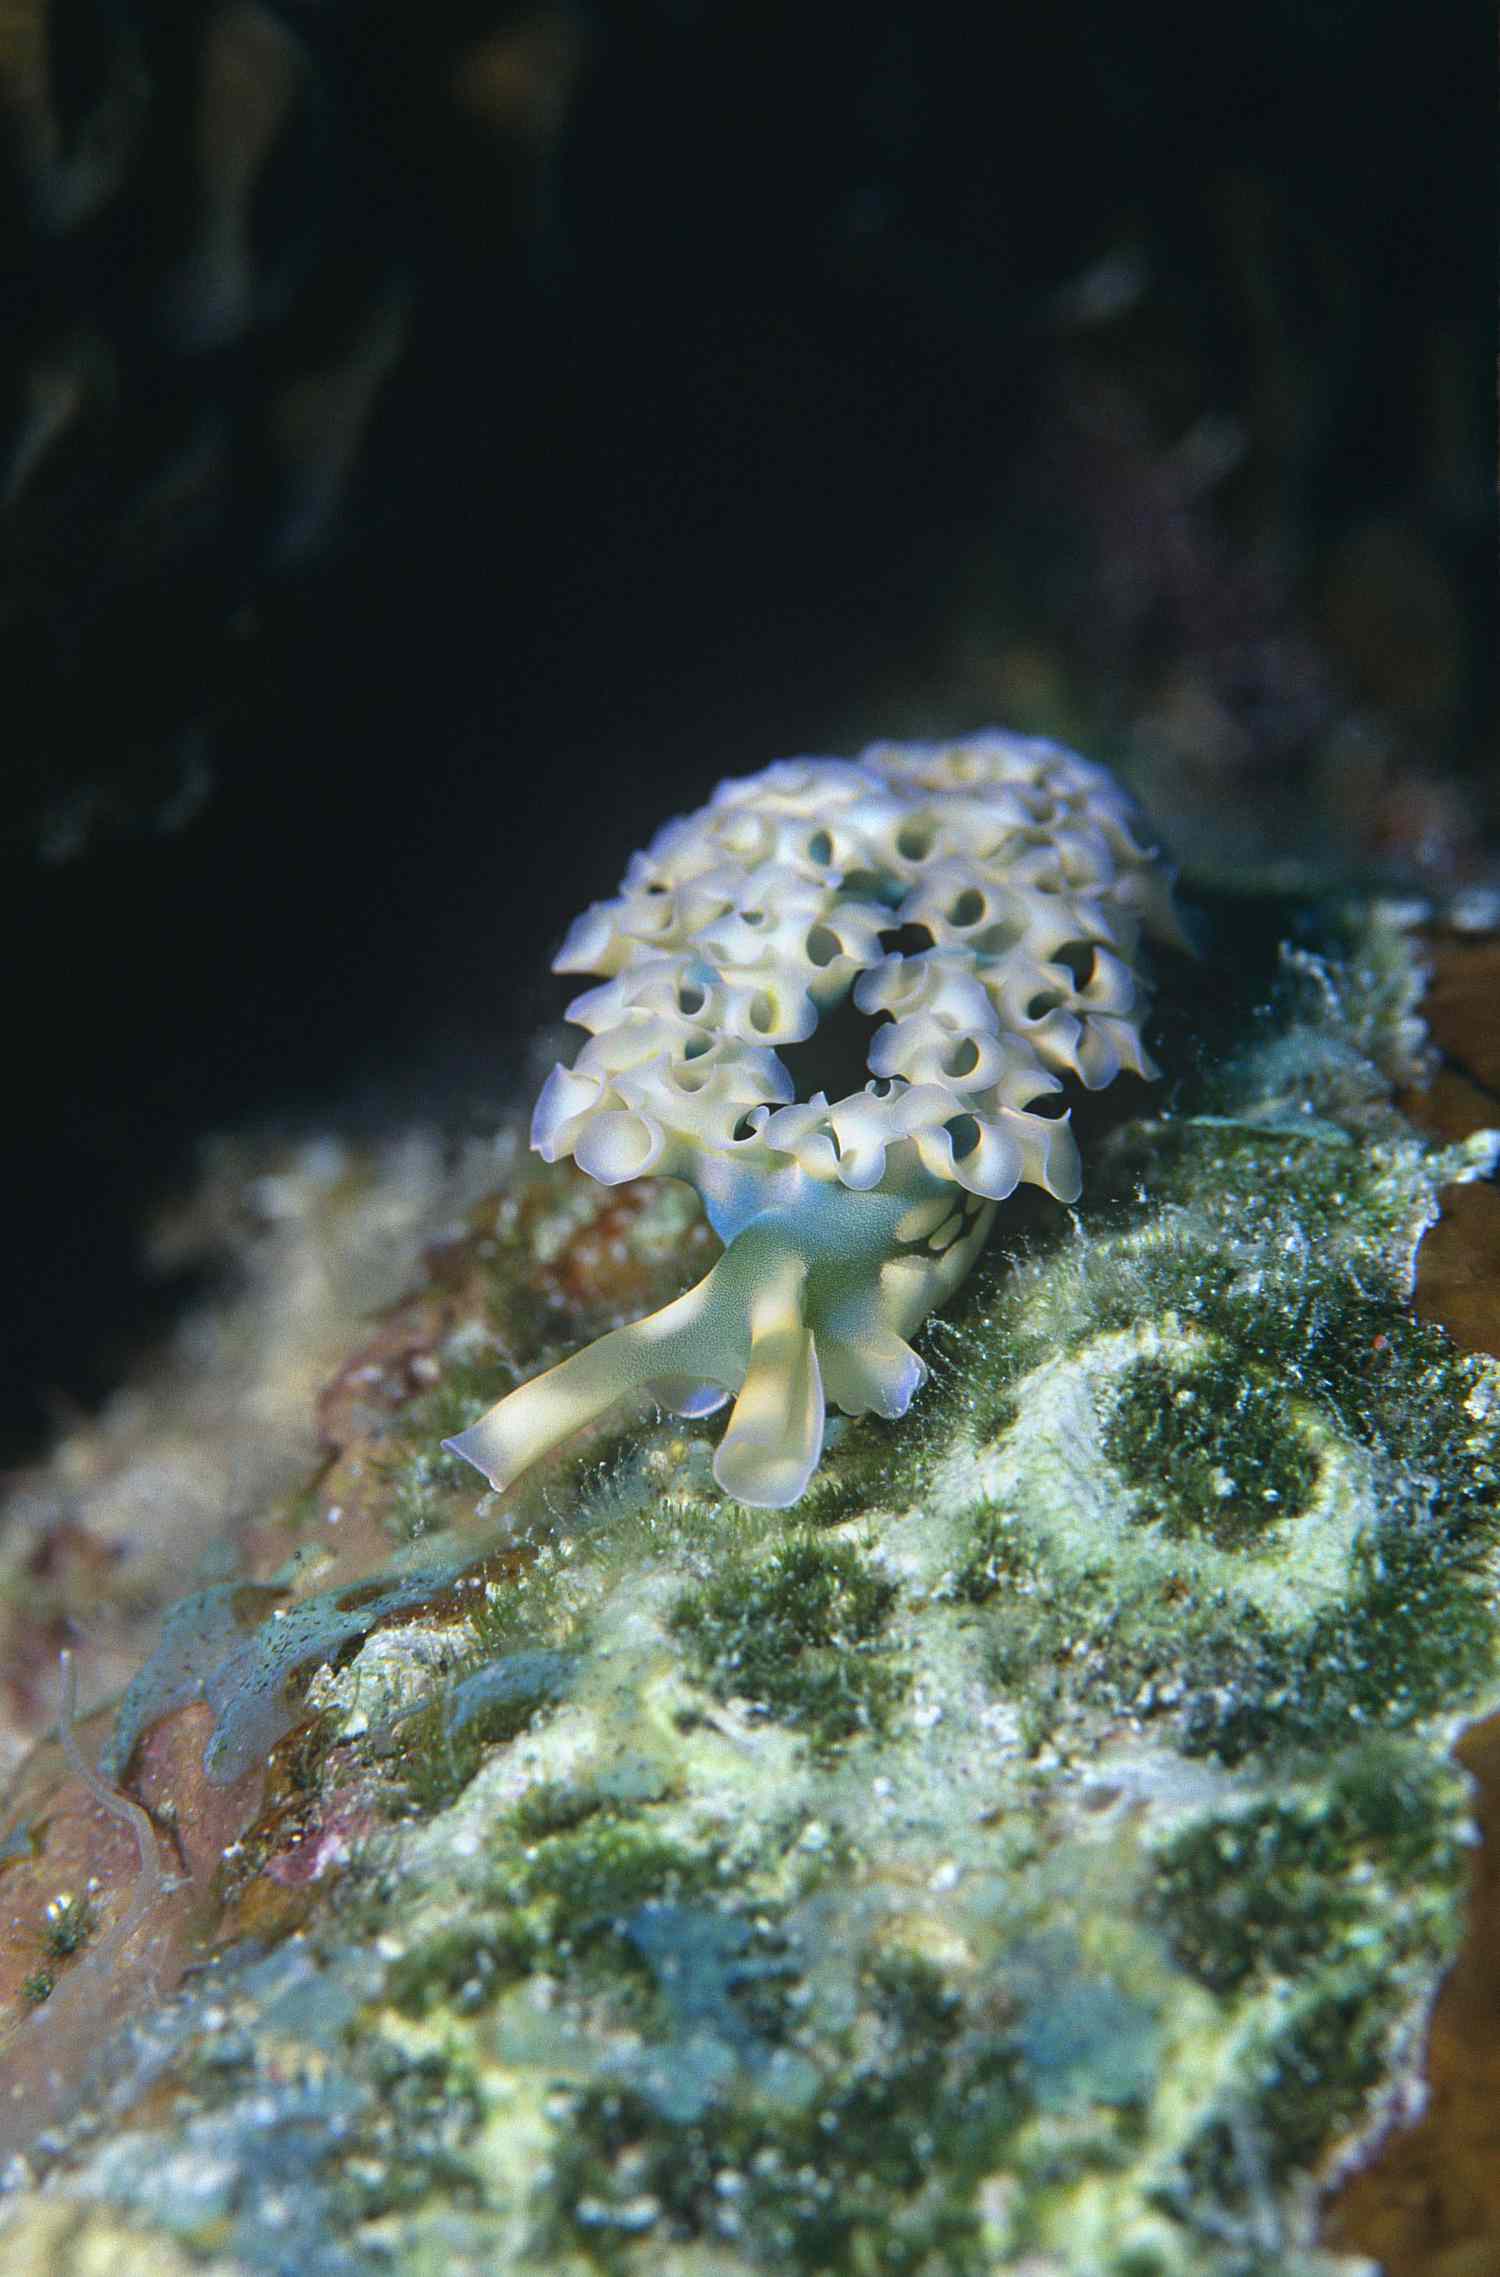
(1045, 1000)
(905, 940)
(836, 1057)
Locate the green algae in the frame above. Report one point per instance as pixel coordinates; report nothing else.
(426, 1487)
(68, 1926)
(1300, 2083)
(1184, 1439)
(461, 1968)
(573, 1878)
(1377, 1852)
(553, 1808)
(1414, 1630)
(843, 2182)
(591, 1876)
(800, 1633)
(869, 1464)
(468, 1386)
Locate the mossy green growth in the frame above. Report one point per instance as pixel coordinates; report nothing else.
(426, 1487)
(552, 1807)
(874, 2171)
(800, 1633)
(1414, 1630)
(591, 1875)
(466, 1389)
(1065, 1640)
(598, 1893)
(68, 1926)
(1209, 1450)
(1274, 1890)
(869, 1464)
(422, 2111)
(462, 1966)
(1298, 2086)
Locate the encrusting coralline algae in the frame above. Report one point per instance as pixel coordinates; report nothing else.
(1014, 878)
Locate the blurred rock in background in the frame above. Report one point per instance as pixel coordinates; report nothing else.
(424, 429)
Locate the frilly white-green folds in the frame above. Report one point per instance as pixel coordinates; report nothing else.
(1014, 878)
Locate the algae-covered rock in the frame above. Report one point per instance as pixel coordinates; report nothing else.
(1036, 1852)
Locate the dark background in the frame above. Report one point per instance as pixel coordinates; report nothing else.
(441, 442)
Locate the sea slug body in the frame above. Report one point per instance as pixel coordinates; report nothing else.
(956, 923)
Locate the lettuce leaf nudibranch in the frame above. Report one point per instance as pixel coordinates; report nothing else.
(952, 929)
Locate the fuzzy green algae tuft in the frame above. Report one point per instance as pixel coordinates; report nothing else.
(798, 1635)
(1042, 1855)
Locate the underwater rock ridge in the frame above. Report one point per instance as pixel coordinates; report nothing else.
(1039, 1854)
